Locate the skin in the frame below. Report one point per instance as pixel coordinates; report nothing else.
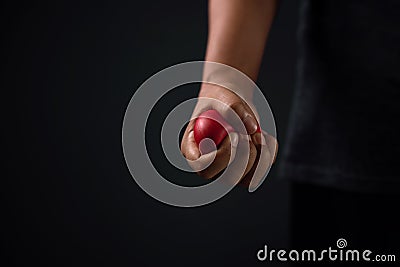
(238, 30)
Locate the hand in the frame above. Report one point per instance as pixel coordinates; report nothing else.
(211, 164)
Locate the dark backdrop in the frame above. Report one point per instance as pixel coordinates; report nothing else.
(69, 70)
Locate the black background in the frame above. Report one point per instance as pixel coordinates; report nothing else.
(69, 70)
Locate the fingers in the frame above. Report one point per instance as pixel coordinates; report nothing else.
(251, 157)
(272, 144)
(209, 165)
(266, 154)
(245, 114)
(189, 147)
(222, 157)
(244, 159)
(191, 152)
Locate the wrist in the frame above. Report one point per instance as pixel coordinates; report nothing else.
(226, 92)
(229, 78)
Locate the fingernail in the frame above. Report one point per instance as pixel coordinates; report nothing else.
(253, 187)
(254, 184)
(234, 139)
(250, 123)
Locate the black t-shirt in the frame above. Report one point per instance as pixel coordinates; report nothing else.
(344, 129)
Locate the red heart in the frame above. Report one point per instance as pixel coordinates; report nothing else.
(210, 124)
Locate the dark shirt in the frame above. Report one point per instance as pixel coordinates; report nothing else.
(344, 129)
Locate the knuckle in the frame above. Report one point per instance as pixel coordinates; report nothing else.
(225, 149)
(189, 156)
(236, 105)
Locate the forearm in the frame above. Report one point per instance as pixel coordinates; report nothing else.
(238, 30)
